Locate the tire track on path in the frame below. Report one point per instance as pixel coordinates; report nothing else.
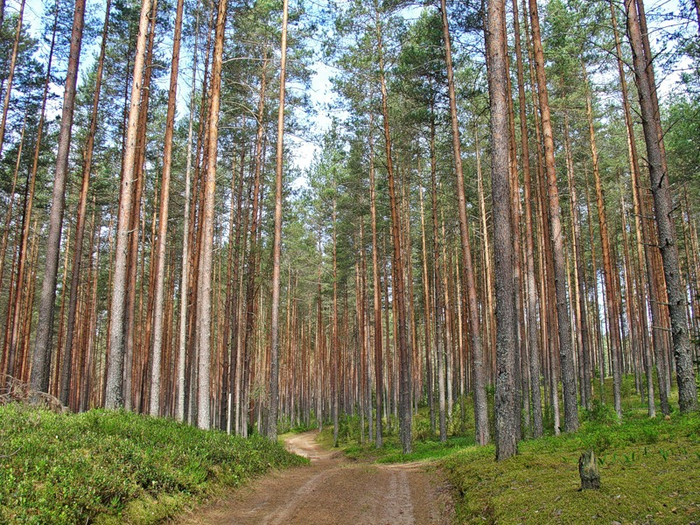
(334, 490)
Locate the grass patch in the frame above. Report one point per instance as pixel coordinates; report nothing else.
(650, 473)
(117, 467)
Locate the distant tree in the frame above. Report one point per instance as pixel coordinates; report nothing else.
(556, 232)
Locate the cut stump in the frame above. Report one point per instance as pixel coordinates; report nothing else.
(588, 470)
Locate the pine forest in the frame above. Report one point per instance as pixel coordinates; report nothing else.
(258, 215)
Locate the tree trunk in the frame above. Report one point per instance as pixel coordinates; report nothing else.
(154, 407)
(644, 254)
(114, 397)
(207, 247)
(428, 318)
(277, 243)
(505, 397)
(184, 281)
(133, 355)
(80, 221)
(251, 277)
(42, 349)
(557, 234)
(398, 271)
(663, 204)
(579, 278)
(480, 402)
(11, 74)
(530, 276)
(334, 349)
(610, 273)
(377, 295)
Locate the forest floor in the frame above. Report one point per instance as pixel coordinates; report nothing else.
(335, 490)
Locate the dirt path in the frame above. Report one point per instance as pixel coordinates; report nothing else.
(334, 490)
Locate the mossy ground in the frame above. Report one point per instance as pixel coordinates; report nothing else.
(117, 467)
(650, 473)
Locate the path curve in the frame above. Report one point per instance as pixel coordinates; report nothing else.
(334, 490)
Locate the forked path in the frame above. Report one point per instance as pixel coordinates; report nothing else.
(334, 490)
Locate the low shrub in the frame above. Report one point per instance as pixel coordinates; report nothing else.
(70, 468)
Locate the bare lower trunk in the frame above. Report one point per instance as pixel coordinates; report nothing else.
(207, 246)
(114, 396)
(397, 267)
(80, 221)
(644, 255)
(182, 348)
(10, 77)
(533, 343)
(377, 296)
(610, 272)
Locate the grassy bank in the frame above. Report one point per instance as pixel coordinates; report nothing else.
(117, 467)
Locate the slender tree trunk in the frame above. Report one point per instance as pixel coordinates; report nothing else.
(428, 318)
(277, 243)
(580, 279)
(163, 216)
(11, 75)
(80, 221)
(398, 270)
(610, 274)
(184, 279)
(133, 322)
(644, 253)
(251, 274)
(530, 276)
(334, 347)
(557, 234)
(114, 397)
(204, 295)
(377, 294)
(663, 204)
(480, 402)
(10, 207)
(42, 349)
(6, 358)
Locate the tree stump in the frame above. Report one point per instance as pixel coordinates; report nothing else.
(588, 470)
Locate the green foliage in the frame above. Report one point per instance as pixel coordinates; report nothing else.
(285, 425)
(601, 413)
(66, 468)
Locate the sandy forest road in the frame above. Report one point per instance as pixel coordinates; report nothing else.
(334, 490)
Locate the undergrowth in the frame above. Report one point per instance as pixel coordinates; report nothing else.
(117, 467)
